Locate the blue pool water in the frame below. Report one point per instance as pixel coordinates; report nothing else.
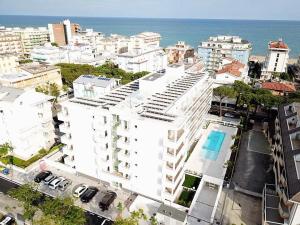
(213, 144)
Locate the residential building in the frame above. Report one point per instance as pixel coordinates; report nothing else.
(179, 52)
(277, 59)
(25, 121)
(281, 201)
(113, 45)
(8, 63)
(215, 48)
(169, 215)
(136, 136)
(10, 42)
(231, 72)
(32, 75)
(61, 33)
(279, 88)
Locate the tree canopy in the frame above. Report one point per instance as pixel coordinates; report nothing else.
(71, 72)
(5, 149)
(223, 92)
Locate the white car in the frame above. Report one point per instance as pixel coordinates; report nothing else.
(229, 115)
(80, 190)
(54, 184)
(8, 220)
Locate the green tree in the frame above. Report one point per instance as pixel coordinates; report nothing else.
(153, 220)
(223, 92)
(54, 90)
(54, 44)
(5, 149)
(133, 219)
(29, 196)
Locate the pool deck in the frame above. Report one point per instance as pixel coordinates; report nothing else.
(197, 162)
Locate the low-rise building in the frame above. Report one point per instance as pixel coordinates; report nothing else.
(169, 215)
(179, 52)
(31, 76)
(281, 201)
(136, 136)
(277, 59)
(26, 121)
(8, 63)
(279, 88)
(216, 48)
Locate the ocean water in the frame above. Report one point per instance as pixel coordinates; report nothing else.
(192, 31)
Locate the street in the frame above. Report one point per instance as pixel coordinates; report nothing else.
(92, 219)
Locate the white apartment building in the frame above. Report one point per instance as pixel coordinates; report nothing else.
(10, 42)
(136, 136)
(277, 59)
(8, 64)
(113, 45)
(216, 48)
(25, 121)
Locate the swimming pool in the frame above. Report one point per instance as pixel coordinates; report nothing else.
(213, 144)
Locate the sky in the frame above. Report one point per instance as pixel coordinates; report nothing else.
(204, 9)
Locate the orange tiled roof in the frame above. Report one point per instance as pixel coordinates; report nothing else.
(278, 44)
(276, 86)
(232, 68)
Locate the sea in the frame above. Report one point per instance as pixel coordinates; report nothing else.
(192, 31)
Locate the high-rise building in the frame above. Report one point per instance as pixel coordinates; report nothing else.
(26, 121)
(277, 59)
(61, 33)
(281, 201)
(136, 136)
(10, 42)
(216, 48)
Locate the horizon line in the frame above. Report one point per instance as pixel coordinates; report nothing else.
(173, 18)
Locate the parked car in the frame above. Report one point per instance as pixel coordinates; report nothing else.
(54, 183)
(107, 200)
(7, 220)
(229, 115)
(42, 176)
(80, 190)
(64, 184)
(49, 179)
(89, 194)
(4, 170)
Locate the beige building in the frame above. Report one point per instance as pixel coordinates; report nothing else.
(8, 63)
(32, 75)
(179, 52)
(10, 42)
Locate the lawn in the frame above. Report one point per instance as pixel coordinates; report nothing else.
(25, 163)
(191, 181)
(186, 198)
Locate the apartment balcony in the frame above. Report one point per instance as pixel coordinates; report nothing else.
(168, 193)
(69, 160)
(283, 210)
(122, 131)
(124, 155)
(63, 114)
(124, 167)
(68, 150)
(64, 127)
(99, 148)
(66, 138)
(123, 144)
(99, 123)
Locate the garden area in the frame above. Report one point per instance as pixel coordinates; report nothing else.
(190, 186)
(6, 159)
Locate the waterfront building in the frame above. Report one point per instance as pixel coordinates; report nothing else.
(144, 54)
(136, 136)
(179, 53)
(31, 76)
(113, 45)
(25, 121)
(277, 59)
(231, 72)
(8, 63)
(10, 42)
(281, 201)
(62, 33)
(215, 49)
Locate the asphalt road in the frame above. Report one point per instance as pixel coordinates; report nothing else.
(92, 219)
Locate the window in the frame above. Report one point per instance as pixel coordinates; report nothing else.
(105, 120)
(135, 139)
(277, 55)
(105, 133)
(135, 126)
(107, 157)
(106, 145)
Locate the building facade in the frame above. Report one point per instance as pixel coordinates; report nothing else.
(281, 201)
(137, 135)
(8, 64)
(179, 52)
(277, 59)
(10, 42)
(216, 48)
(62, 33)
(25, 121)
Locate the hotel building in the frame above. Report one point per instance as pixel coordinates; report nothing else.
(135, 136)
(25, 121)
(216, 48)
(281, 201)
(8, 63)
(10, 42)
(277, 59)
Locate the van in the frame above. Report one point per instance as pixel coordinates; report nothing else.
(107, 200)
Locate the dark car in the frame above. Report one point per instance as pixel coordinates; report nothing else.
(107, 200)
(42, 176)
(7, 220)
(89, 194)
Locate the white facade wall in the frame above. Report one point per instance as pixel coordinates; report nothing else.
(277, 61)
(8, 64)
(26, 123)
(295, 215)
(140, 153)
